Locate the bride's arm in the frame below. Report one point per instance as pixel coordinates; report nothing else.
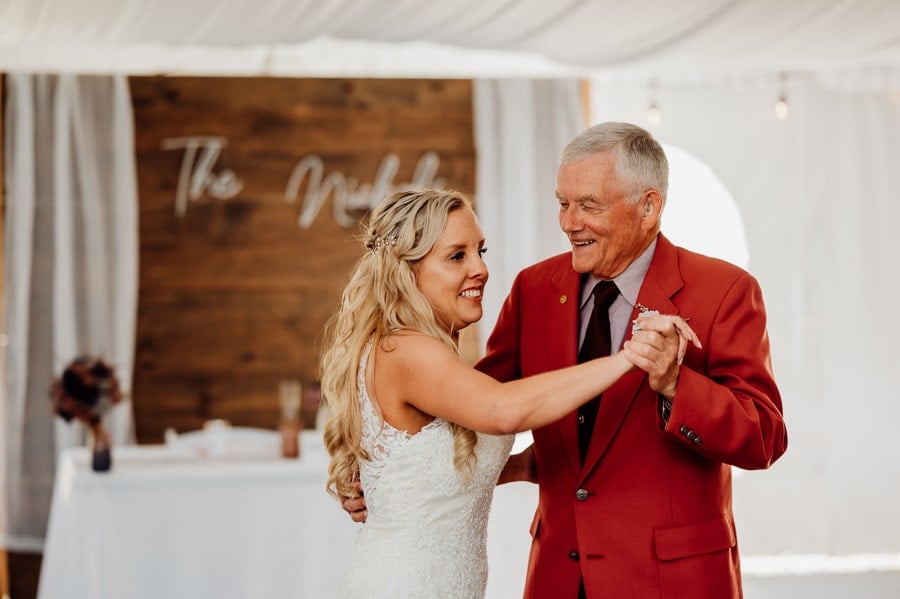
(421, 371)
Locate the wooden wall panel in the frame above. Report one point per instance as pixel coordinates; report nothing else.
(234, 293)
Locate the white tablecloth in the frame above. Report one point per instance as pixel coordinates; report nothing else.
(168, 522)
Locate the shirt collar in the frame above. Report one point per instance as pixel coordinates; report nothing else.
(629, 281)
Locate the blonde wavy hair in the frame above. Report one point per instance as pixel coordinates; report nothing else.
(381, 299)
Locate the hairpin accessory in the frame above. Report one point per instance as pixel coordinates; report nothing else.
(379, 242)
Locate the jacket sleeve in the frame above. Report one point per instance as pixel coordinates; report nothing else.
(501, 359)
(727, 405)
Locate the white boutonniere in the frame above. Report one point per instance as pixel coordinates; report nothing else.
(644, 311)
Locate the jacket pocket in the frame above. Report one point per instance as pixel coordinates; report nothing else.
(697, 538)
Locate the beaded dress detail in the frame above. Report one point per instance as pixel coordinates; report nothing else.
(426, 530)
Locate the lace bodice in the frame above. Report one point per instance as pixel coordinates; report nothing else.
(426, 532)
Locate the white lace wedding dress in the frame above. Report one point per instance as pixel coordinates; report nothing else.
(426, 531)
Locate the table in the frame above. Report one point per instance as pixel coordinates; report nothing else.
(181, 521)
(169, 522)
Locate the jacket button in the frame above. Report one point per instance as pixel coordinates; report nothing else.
(581, 494)
(696, 440)
(573, 555)
(684, 430)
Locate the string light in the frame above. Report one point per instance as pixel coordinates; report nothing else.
(781, 108)
(654, 114)
(781, 105)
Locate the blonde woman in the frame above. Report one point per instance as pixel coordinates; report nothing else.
(426, 435)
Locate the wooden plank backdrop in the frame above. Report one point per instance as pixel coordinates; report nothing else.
(234, 293)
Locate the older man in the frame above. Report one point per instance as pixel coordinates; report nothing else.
(635, 498)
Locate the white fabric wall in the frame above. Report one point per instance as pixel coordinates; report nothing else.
(71, 272)
(501, 38)
(521, 128)
(819, 196)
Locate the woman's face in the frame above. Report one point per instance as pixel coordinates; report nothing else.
(452, 275)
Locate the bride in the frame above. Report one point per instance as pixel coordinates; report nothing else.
(424, 434)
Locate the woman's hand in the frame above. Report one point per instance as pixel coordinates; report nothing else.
(657, 346)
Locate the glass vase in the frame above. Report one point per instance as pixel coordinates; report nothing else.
(101, 448)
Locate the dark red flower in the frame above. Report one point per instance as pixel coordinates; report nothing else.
(87, 388)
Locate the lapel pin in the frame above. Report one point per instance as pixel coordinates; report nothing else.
(562, 299)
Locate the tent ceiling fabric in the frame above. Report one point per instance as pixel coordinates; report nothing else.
(465, 37)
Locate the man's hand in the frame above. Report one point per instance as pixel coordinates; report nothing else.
(520, 467)
(658, 347)
(356, 506)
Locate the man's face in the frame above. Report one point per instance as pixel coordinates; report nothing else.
(606, 230)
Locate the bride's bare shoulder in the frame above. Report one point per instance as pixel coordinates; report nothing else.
(408, 345)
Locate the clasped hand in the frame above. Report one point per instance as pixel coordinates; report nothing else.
(658, 346)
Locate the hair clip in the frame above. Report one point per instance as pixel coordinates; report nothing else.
(380, 242)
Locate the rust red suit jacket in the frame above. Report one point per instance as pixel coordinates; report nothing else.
(649, 512)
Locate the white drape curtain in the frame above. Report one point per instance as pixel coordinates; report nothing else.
(71, 271)
(818, 193)
(308, 38)
(521, 127)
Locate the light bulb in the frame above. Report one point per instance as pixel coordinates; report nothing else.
(781, 108)
(654, 115)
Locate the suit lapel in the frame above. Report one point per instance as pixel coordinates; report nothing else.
(661, 282)
(563, 343)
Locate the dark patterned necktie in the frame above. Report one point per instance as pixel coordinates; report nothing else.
(596, 344)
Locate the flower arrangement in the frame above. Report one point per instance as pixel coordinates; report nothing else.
(87, 388)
